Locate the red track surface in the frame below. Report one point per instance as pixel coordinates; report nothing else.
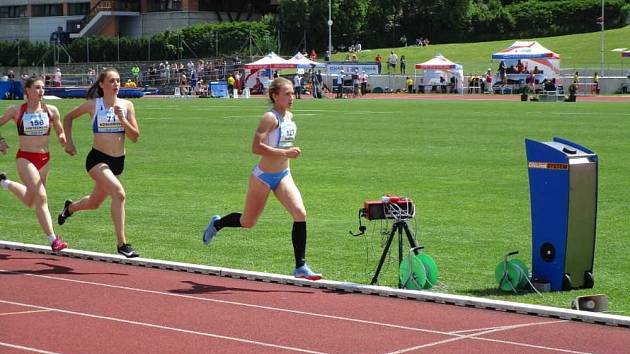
(65, 305)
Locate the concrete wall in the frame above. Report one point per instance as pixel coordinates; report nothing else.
(14, 28)
(156, 22)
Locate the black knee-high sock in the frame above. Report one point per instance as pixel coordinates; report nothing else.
(230, 220)
(298, 236)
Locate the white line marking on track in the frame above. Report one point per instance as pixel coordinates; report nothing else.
(493, 330)
(181, 330)
(21, 312)
(354, 320)
(154, 292)
(14, 346)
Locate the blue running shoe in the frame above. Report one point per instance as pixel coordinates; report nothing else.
(210, 231)
(306, 272)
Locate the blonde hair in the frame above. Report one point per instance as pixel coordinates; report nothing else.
(275, 86)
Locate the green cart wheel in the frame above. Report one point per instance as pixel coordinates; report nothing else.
(510, 275)
(431, 270)
(413, 275)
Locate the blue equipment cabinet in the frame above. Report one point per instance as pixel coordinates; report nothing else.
(563, 193)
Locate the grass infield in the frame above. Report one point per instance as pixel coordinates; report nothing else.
(462, 162)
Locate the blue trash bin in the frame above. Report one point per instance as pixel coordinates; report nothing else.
(563, 193)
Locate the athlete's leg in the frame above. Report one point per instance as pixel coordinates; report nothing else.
(34, 192)
(108, 183)
(290, 197)
(257, 194)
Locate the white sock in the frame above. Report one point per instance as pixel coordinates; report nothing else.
(52, 238)
(5, 183)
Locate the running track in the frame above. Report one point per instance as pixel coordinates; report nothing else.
(53, 304)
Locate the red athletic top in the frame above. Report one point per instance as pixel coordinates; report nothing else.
(36, 124)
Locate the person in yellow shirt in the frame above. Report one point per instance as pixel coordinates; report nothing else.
(231, 81)
(409, 85)
(130, 84)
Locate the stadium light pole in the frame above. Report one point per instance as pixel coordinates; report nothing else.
(329, 29)
(602, 41)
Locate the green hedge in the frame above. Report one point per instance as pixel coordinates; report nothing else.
(203, 40)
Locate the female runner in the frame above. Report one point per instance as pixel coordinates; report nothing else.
(273, 141)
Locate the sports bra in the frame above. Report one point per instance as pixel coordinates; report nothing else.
(283, 136)
(105, 120)
(33, 124)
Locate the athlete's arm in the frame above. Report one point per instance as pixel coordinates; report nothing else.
(129, 122)
(85, 108)
(267, 124)
(56, 121)
(9, 114)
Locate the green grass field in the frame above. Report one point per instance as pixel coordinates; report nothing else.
(463, 163)
(576, 51)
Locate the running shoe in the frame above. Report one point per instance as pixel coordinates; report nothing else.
(65, 213)
(57, 245)
(306, 272)
(127, 251)
(3, 176)
(210, 231)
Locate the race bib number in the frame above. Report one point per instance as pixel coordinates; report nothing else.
(108, 122)
(35, 124)
(288, 130)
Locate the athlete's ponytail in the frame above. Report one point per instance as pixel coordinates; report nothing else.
(95, 90)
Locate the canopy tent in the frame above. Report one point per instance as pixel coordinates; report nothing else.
(303, 62)
(270, 61)
(254, 72)
(531, 54)
(440, 66)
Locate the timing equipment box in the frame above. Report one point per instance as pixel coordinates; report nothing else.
(390, 207)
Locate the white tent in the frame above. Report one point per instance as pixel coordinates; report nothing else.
(441, 66)
(303, 62)
(270, 61)
(254, 71)
(531, 54)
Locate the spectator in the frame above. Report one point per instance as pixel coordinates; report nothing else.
(11, 75)
(403, 40)
(230, 83)
(135, 72)
(313, 55)
(519, 67)
(409, 84)
(595, 88)
(502, 72)
(57, 78)
(488, 80)
(340, 85)
(378, 61)
(297, 86)
(327, 56)
(130, 84)
(403, 65)
(358, 47)
(258, 88)
(576, 77)
(391, 62)
(364, 81)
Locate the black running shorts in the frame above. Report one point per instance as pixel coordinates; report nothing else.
(116, 164)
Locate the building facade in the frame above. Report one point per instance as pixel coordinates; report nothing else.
(46, 20)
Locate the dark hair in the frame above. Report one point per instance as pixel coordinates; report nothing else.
(275, 86)
(28, 83)
(95, 90)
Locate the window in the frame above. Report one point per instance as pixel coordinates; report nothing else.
(47, 10)
(164, 5)
(78, 9)
(12, 11)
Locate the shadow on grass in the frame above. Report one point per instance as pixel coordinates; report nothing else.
(198, 288)
(495, 291)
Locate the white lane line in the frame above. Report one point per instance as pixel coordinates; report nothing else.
(21, 312)
(154, 292)
(340, 318)
(15, 346)
(150, 325)
(475, 336)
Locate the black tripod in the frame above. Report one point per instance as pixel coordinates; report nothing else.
(399, 226)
